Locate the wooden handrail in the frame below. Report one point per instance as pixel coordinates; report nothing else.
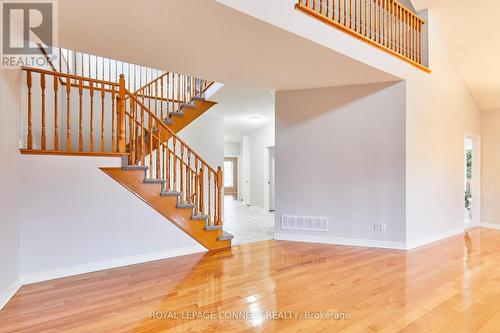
(176, 166)
(149, 83)
(169, 91)
(49, 108)
(135, 129)
(68, 76)
(162, 124)
(385, 24)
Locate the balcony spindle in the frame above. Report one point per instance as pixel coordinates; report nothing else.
(161, 98)
(209, 188)
(407, 27)
(356, 23)
(80, 115)
(181, 173)
(196, 186)
(56, 115)
(91, 141)
(167, 93)
(157, 148)
(102, 116)
(150, 144)
(143, 138)
(43, 138)
(133, 133)
(167, 169)
(420, 59)
(384, 22)
(345, 13)
(29, 84)
(174, 161)
(350, 14)
(371, 19)
(188, 178)
(219, 195)
(113, 112)
(68, 114)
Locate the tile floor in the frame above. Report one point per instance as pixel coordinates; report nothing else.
(247, 224)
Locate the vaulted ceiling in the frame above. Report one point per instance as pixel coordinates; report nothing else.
(472, 29)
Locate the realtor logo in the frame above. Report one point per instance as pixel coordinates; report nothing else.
(27, 28)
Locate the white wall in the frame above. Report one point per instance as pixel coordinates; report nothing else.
(340, 153)
(10, 176)
(232, 149)
(257, 142)
(206, 136)
(439, 112)
(77, 219)
(490, 138)
(439, 107)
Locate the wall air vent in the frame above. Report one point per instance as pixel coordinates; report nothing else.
(311, 223)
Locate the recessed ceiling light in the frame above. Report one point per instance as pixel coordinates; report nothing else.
(254, 118)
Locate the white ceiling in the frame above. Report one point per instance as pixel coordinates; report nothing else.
(209, 40)
(472, 29)
(237, 108)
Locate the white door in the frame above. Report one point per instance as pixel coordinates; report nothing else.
(271, 182)
(246, 179)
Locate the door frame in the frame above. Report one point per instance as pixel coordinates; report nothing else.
(267, 186)
(476, 181)
(233, 190)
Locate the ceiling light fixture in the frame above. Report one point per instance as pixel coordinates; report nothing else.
(254, 119)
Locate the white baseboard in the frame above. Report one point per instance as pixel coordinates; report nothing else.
(434, 238)
(7, 294)
(488, 225)
(368, 242)
(102, 265)
(340, 241)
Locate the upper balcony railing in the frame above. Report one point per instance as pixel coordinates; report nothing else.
(385, 24)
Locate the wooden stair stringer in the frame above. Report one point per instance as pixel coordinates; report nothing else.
(133, 180)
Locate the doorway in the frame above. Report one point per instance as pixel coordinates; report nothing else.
(270, 179)
(231, 176)
(472, 181)
(246, 178)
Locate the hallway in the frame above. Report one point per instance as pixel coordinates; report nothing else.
(247, 224)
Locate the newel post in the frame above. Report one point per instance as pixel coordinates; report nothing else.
(120, 116)
(219, 196)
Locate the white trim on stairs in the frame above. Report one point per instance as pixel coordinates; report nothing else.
(107, 264)
(7, 294)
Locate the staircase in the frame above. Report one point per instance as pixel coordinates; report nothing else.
(101, 116)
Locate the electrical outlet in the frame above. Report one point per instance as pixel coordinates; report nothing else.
(383, 227)
(376, 226)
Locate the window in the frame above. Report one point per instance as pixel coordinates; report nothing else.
(228, 174)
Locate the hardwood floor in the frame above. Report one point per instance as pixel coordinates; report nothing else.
(450, 286)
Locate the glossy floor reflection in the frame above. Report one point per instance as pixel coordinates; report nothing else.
(449, 286)
(247, 224)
